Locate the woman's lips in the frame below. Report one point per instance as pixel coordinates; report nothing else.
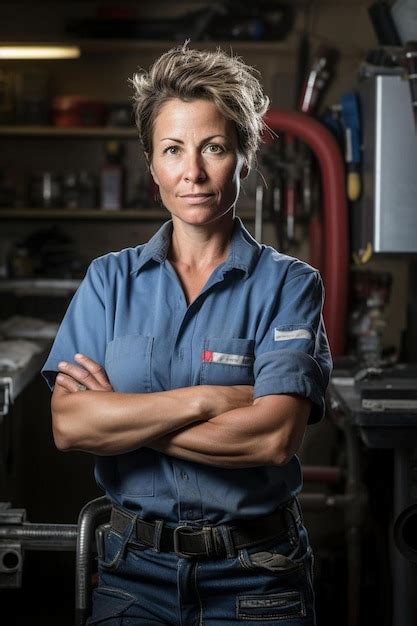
(198, 198)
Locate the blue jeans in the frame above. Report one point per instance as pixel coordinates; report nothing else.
(270, 583)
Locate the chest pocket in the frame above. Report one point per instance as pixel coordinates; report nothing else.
(128, 363)
(227, 362)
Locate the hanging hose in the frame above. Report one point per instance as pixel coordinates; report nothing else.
(335, 262)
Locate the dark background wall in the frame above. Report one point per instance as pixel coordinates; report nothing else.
(53, 486)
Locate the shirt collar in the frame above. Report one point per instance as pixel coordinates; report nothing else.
(244, 250)
(243, 255)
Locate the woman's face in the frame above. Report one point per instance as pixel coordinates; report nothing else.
(195, 161)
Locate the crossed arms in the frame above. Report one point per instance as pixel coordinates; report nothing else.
(211, 424)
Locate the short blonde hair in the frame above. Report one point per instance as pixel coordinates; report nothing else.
(190, 74)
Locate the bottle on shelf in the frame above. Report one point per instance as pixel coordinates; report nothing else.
(46, 190)
(112, 178)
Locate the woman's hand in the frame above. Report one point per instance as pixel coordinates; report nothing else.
(87, 375)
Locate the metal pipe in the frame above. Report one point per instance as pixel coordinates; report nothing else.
(41, 536)
(91, 515)
(335, 269)
(320, 501)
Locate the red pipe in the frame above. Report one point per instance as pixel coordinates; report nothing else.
(322, 474)
(335, 257)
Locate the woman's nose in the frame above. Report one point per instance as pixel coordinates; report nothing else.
(194, 169)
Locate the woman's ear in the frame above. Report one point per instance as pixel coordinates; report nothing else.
(152, 171)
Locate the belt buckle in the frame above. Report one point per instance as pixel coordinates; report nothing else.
(176, 537)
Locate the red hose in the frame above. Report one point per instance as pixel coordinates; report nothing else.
(335, 257)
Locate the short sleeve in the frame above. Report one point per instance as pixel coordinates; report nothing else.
(292, 352)
(83, 327)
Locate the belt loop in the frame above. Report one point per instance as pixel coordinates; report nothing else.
(208, 540)
(159, 524)
(126, 537)
(229, 544)
(132, 530)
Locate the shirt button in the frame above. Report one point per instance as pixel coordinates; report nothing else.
(184, 476)
(190, 515)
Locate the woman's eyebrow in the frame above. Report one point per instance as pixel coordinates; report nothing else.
(171, 139)
(203, 141)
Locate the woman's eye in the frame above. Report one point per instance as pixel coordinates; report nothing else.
(214, 148)
(171, 150)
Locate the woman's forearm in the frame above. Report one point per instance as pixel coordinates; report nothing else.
(106, 423)
(269, 432)
(211, 444)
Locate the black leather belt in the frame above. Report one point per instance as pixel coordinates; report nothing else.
(189, 541)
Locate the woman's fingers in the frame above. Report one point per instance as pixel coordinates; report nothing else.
(95, 370)
(67, 383)
(83, 376)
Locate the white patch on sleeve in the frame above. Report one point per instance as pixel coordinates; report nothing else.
(287, 335)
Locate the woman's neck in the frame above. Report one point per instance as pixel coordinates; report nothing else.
(200, 247)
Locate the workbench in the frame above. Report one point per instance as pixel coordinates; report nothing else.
(13, 382)
(395, 430)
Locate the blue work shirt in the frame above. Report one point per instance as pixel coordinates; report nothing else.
(257, 321)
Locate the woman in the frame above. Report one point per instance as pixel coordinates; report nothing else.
(190, 366)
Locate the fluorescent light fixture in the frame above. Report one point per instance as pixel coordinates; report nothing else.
(40, 51)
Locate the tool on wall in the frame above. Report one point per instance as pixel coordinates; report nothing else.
(317, 81)
(284, 171)
(290, 189)
(318, 78)
(351, 123)
(292, 168)
(276, 166)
